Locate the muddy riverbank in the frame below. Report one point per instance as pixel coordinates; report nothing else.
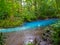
(23, 37)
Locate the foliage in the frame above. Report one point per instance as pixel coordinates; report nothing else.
(30, 44)
(15, 12)
(2, 37)
(56, 33)
(8, 23)
(48, 9)
(9, 13)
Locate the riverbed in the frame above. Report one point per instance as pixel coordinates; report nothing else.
(23, 37)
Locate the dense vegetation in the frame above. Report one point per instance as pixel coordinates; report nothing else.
(2, 38)
(54, 33)
(15, 12)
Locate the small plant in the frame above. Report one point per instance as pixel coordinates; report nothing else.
(30, 43)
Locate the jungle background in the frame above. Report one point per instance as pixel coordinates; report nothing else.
(14, 13)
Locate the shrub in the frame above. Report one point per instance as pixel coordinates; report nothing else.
(10, 14)
(56, 33)
(2, 37)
